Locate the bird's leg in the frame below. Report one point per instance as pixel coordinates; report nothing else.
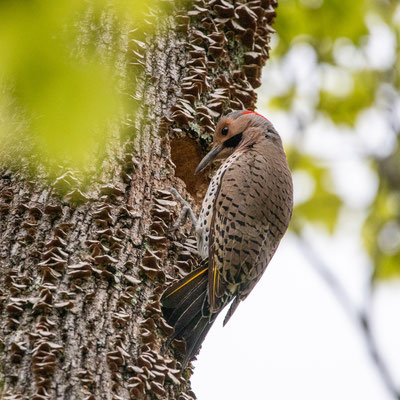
(186, 211)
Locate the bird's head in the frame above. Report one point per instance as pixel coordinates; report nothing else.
(238, 130)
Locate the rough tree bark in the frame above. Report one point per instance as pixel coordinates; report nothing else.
(83, 267)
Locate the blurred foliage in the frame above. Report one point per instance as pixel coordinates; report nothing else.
(63, 92)
(345, 109)
(345, 81)
(322, 21)
(284, 101)
(382, 232)
(322, 206)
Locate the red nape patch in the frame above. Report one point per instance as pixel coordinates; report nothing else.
(253, 112)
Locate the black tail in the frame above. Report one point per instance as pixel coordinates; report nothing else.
(185, 307)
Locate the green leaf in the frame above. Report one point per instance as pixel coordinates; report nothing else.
(320, 25)
(323, 206)
(387, 266)
(322, 209)
(283, 102)
(345, 109)
(62, 84)
(384, 210)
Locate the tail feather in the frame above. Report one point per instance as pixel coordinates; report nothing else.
(188, 314)
(185, 307)
(197, 335)
(234, 305)
(175, 293)
(178, 301)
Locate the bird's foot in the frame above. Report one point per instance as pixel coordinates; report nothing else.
(185, 213)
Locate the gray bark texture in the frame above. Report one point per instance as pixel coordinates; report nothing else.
(83, 265)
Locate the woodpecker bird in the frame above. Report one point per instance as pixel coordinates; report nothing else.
(244, 215)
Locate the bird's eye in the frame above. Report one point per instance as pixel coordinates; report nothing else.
(225, 130)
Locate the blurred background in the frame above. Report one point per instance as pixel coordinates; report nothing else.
(64, 82)
(324, 322)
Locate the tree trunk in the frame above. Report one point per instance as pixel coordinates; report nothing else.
(83, 266)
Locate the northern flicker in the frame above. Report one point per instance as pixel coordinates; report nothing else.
(244, 215)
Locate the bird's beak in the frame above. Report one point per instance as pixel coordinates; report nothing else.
(208, 158)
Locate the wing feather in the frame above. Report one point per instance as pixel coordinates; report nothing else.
(237, 231)
(251, 212)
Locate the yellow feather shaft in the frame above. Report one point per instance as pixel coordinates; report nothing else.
(215, 275)
(193, 277)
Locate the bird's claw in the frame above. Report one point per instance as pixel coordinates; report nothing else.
(186, 210)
